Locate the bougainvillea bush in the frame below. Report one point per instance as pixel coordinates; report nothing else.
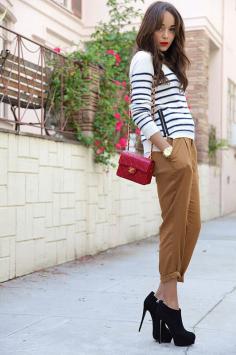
(111, 47)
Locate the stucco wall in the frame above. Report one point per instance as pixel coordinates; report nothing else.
(57, 205)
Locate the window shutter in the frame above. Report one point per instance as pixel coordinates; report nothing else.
(77, 7)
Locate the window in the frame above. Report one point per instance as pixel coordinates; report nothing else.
(231, 108)
(76, 6)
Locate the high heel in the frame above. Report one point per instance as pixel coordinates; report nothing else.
(150, 304)
(172, 318)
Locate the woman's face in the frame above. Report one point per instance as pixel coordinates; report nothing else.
(166, 34)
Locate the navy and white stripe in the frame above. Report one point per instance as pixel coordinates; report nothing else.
(168, 97)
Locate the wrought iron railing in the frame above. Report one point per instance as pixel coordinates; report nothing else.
(26, 99)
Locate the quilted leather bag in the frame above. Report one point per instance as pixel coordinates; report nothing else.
(135, 167)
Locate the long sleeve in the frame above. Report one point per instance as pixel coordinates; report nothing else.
(141, 76)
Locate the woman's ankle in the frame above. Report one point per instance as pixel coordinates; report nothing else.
(172, 304)
(160, 296)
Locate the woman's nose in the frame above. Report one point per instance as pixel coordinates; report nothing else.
(165, 34)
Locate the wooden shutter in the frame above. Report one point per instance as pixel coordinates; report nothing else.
(77, 7)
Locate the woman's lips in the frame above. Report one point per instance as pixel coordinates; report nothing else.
(164, 43)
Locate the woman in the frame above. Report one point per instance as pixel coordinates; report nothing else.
(159, 65)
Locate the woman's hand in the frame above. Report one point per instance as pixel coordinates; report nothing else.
(159, 141)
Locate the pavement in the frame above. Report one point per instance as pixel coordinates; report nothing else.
(93, 306)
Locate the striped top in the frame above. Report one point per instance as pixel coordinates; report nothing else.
(168, 97)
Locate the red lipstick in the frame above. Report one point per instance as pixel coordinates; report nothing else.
(164, 43)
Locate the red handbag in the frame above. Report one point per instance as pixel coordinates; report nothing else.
(136, 167)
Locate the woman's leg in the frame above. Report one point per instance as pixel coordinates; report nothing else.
(167, 292)
(193, 226)
(186, 227)
(174, 180)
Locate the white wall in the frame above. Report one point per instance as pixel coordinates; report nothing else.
(56, 205)
(94, 11)
(228, 178)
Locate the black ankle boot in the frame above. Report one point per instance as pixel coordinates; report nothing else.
(172, 317)
(150, 304)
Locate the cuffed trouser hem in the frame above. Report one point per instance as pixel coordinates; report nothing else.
(173, 275)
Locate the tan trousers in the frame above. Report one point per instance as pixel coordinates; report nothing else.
(178, 192)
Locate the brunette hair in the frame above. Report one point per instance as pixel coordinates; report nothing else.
(175, 56)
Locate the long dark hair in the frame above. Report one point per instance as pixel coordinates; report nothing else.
(175, 56)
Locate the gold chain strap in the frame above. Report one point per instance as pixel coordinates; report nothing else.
(152, 113)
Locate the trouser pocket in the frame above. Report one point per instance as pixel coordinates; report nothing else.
(179, 160)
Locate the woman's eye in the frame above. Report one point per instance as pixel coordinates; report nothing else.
(163, 29)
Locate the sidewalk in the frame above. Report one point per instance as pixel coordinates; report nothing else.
(94, 306)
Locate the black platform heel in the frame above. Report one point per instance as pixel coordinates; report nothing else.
(150, 304)
(172, 317)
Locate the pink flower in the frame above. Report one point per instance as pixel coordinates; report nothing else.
(118, 59)
(122, 142)
(97, 143)
(100, 150)
(57, 50)
(117, 115)
(116, 55)
(126, 98)
(123, 84)
(137, 131)
(118, 146)
(117, 82)
(111, 51)
(119, 125)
